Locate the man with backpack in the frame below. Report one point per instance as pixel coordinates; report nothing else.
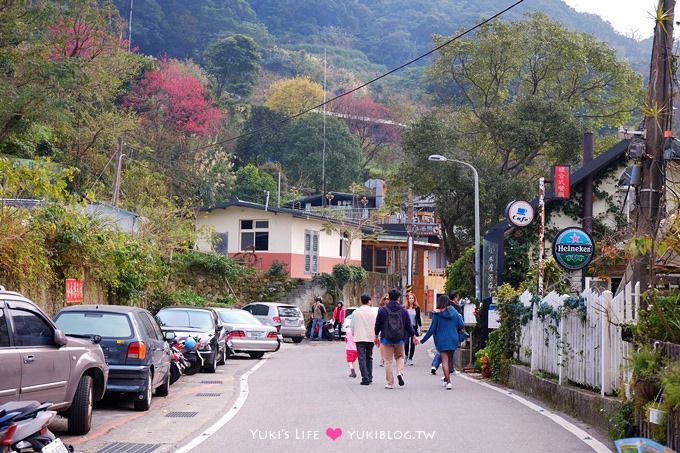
(318, 314)
(392, 329)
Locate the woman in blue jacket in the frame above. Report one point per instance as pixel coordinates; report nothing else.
(446, 323)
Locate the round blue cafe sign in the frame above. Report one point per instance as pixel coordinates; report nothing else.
(573, 248)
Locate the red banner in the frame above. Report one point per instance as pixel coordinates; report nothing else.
(74, 291)
(561, 182)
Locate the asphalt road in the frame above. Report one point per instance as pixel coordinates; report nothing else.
(301, 399)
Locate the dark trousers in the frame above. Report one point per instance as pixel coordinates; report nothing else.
(409, 348)
(365, 351)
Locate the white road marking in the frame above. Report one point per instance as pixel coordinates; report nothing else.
(231, 413)
(586, 438)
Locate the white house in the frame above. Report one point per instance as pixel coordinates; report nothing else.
(261, 235)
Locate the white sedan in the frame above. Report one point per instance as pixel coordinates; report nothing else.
(247, 334)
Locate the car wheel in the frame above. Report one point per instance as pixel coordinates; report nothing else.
(164, 390)
(143, 400)
(297, 339)
(80, 413)
(223, 357)
(213, 364)
(256, 355)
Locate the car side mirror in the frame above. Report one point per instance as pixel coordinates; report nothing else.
(60, 338)
(169, 336)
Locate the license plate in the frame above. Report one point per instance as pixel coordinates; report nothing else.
(257, 334)
(56, 446)
(290, 322)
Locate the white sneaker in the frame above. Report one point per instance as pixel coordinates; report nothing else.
(410, 362)
(443, 383)
(388, 386)
(448, 386)
(453, 372)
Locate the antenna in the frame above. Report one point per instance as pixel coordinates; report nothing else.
(323, 148)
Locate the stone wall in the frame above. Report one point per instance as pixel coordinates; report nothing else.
(589, 407)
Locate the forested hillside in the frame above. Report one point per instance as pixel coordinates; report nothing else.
(386, 32)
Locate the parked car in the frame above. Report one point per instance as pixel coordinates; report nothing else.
(287, 318)
(134, 347)
(247, 333)
(202, 323)
(348, 316)
(39, 362)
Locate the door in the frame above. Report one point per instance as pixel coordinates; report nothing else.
(44, 366)
(159, 347)
(10, 371)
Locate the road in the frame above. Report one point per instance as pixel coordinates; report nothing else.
(302, 400)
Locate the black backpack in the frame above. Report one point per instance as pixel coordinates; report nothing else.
(394, 330)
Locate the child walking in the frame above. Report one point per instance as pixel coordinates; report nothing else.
(350, 352)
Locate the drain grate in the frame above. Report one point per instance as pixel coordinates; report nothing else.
(211, 382)
(208, 394)
(128, 447)
(180, 414)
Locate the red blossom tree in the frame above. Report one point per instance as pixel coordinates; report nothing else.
(370, 122)
(76, 38)
(168, 98)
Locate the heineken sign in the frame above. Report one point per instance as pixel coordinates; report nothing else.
(573, 248)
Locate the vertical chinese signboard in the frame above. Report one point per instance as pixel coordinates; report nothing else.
(561, 182)
(74, 291)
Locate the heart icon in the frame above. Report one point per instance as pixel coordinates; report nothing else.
(334, 433)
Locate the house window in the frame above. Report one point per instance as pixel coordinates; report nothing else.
(254, 235)
(311, 252)
(219, 243)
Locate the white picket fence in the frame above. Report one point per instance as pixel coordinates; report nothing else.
(589, 352)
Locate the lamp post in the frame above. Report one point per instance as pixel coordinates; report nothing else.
(478, 259)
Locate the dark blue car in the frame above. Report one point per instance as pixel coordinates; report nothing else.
(134, 347)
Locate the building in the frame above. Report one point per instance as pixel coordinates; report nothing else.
(306, 243)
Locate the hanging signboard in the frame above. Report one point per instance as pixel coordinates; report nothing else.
(573, 248)
(560, 178)
(426, 229)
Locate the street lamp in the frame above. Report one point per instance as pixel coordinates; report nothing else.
(478, 259)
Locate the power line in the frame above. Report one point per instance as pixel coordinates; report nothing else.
(382, 76)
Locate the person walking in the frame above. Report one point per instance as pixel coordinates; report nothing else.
(350, 352)
(338, 318)
(318, 314)
(383, 301)
(362, 327)
(446, 322)
(437, 359)
(392, 328)
(414, 314)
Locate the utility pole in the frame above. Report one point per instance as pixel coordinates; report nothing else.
(116, 178)
(657, 126)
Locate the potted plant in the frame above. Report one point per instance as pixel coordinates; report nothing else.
(646, 365)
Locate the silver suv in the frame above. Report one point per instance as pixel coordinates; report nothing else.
(287, 318)
(40, 363)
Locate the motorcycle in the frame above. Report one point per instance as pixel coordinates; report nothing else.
(24, 428)
(178, 363)
(192, 356)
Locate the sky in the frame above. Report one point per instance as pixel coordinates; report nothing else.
(629, 17)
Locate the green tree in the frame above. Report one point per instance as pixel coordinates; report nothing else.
(234, 63)
(301, 154)
(253, 185)
(536, 57)
(262, 137)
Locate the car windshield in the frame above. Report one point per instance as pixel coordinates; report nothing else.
(238, 317)
(289, 312)
(94, 323)
(194, 319)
